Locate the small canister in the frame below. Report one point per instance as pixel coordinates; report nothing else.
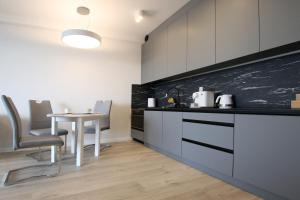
(151, 102)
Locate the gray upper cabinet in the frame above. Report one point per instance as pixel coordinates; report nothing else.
(237, 28)
(153, 128)
(201, 35)
(279, 22)
(172, 132)
(177, 42)
(146, 63)
(266, 153)
(154, 58)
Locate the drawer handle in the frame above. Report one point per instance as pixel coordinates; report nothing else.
(208, 145)
(208, 122)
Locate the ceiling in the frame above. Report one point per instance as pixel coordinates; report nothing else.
(109, 18)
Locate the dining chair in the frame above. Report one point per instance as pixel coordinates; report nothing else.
(103, 107)
(21, 142)
(40, 124)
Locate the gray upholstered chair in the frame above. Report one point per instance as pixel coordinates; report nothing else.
(40, 124)
(20, 141)
(103, 107)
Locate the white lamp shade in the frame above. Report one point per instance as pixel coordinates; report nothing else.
(80, 38)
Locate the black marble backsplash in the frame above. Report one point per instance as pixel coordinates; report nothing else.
(266, 84)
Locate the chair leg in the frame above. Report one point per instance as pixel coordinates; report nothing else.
(31, 169)
(66, 137)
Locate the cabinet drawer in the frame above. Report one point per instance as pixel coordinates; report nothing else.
(211, 158)
(220, 136)
(136, 134)
(227, 118)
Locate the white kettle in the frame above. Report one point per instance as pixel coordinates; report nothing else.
(225, 101)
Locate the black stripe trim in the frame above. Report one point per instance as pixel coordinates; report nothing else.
(208, 122)
(208, 145)
(139, 129)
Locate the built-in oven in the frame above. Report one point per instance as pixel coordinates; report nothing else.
(137, 124)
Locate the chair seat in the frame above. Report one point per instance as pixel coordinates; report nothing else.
(38, 141)
(92, 129)
(47, 132)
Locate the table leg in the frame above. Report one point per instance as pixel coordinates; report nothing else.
(74, 137)
(53, 132)
(97, 138)
(80, 142)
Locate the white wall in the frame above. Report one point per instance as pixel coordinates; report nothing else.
(34, 64)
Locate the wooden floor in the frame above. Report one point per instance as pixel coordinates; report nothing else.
(127, 170)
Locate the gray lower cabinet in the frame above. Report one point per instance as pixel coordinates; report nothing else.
(237, 28)
(172, 132)
(201, 35)
(177, 40)
(210, 158)
(266, 153)
(153, 128)
(279, 22)
(207, 139)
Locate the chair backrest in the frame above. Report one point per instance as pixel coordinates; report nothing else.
(104, 107)
(38, 114)
(14, 119)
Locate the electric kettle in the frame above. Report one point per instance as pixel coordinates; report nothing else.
(224, 101)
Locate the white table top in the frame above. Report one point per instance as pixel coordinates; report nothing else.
(75, 115)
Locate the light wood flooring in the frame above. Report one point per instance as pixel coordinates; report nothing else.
(127, 170)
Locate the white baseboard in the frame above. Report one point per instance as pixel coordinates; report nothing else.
(122, 139)
(5, 149)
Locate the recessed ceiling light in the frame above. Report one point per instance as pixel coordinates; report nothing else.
(139, 16)
(81, 38)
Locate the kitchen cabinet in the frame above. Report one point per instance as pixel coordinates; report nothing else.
(266, 153)
(237, 28)
(153, 128)
(172, 132)
(154, 58)
(207, 139)
(177, 42)
(146, 63)
(201, 35)
(279, 22)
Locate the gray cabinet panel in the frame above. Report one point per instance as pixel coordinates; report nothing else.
(213, 159)
(210, 134)
(153, 128)
(172, 132)
(237, 28)
(266, 153)
(159, 51)
(279, 22)
(177, 41)
(146, 63)
(201, 35)
(229, 118)
(154, 56)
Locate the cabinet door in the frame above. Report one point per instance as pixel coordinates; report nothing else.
(154, 56)
(153, 128)
(237, 28)
(201, 35)
(159, 51)
(177, 40)
(172, 132)
(279, 22)
(266, 153)
(146, 63)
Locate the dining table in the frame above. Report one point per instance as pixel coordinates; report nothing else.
(77, 120)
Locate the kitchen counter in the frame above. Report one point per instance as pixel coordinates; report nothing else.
(255, 111)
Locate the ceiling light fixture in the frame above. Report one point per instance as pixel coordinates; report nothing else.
(139, 16)
(81, 38)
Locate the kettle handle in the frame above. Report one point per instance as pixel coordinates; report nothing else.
(218, 99)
